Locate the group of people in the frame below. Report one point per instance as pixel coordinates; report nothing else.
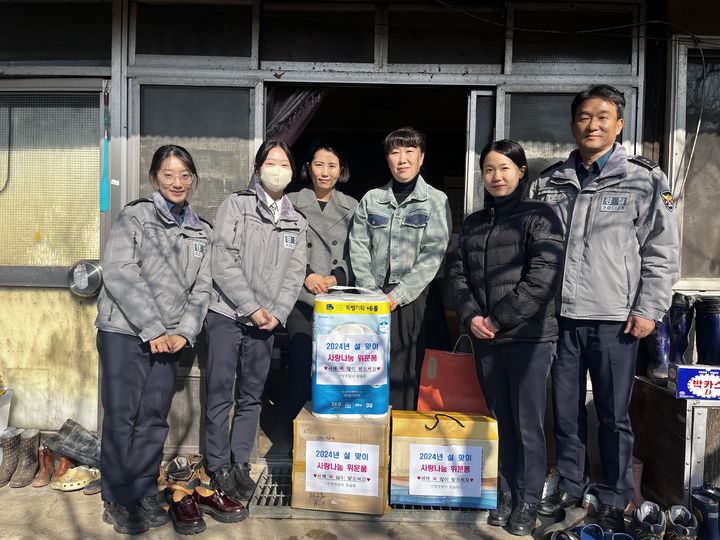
(560, 275)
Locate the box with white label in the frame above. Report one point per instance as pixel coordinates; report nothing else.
(351, 353)
(340, 464)
(444, 459)
(694, 381)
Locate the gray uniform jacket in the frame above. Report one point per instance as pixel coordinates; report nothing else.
(327, 234)
(409, 239)
(255, 263)
(156, 273)
(621, 237)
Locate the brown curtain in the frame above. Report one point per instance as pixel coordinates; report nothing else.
(289, 110)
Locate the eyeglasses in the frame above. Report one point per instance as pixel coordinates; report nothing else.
(167, 177)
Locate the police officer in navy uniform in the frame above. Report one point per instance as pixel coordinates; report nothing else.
(156, 292)
(621, 261)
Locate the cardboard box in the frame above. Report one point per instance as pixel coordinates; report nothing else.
(695, 381)
(351, 354)
(444, 459)
(340, 464)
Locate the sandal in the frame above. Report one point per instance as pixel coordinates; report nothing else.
(76, 478)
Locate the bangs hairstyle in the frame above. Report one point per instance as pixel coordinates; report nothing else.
(314, 149)
(404, 137)
(264, 150)
(509, 149)
(603, 91)
(171, 150)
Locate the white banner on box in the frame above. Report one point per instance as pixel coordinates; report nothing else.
(344, 468)
(445, 471)
(350, 360)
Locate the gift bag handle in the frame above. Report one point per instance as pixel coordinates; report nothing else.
(472, 349)
(437, 421)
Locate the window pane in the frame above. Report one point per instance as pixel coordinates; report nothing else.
(296, 36)
(541, 124)
(49, 178)
(484, 129)
(213, 124)
(79, 33)
(563, 46)
(436, 37)
(701, 242)
(194, 30)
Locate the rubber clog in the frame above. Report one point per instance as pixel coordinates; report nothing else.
(76, 478)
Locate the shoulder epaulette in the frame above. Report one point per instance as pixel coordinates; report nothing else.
(138, 201)
(206, 222)
(645, 162)
(551, 167)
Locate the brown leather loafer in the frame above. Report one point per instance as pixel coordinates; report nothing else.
(185, 514)
(221, 507)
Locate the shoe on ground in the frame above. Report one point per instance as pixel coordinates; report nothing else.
(245, 484)
(499, 516)
(153, 512)
(648, 522)
(611, 519)
(218, 505)
(224, 480)
(522, 519)
(681, 524)
(123, 519)
(557, 501)
(185, 514)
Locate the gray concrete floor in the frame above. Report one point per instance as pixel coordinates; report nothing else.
(30, 513)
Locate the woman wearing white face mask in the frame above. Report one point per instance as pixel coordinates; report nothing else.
(258, 267)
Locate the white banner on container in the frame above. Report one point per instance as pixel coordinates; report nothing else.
(445, 471)
(350, 360)
(345, 468)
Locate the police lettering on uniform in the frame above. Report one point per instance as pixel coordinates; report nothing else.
(154, 299)
(621, 260)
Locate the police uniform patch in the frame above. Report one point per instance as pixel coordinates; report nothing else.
(198, 250)
(614, 203)
(667, 200)
(290, 240)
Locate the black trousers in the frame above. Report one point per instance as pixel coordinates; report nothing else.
(136, 392)
(513, 378)
(407, 348)
(300, 329)
(600, 348)
(242, 352)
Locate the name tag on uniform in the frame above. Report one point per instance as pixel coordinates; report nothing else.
(198, 250)
(290, 240)
(614, 203)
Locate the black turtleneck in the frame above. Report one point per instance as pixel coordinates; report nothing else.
(402, 190)
(500, 203)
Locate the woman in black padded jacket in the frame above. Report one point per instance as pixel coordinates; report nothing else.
(504, 275)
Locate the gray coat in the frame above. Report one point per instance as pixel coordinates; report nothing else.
(621, 237)
(156, 273)
(256, 263)
(327, 235)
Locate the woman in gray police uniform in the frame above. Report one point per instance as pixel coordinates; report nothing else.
(155, 296)
(329, 213)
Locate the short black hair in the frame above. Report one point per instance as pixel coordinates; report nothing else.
(264, 150)
(405, 136)
(603, 91)
(328, 147)
(509, 149)
(171, 150)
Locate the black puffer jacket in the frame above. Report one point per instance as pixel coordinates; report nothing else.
(508, 265)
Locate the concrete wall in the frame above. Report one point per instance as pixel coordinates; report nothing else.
(48, 356)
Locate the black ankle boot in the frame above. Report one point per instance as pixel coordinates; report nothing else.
(125, 520)
(522, 520)
(245, 484)
(499, 517)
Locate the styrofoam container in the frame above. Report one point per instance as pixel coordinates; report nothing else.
(351, 355)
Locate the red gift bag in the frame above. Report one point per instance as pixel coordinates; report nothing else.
(449, 382)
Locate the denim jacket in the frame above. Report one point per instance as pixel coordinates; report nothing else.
(409, 239)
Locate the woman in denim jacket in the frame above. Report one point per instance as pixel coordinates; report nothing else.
(397, 244)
